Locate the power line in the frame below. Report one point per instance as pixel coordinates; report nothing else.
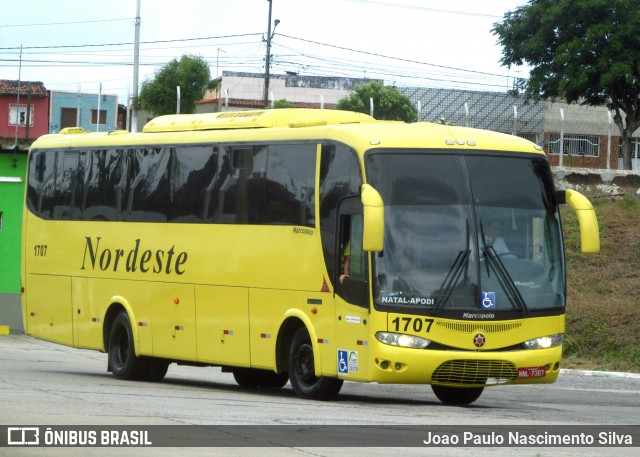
(131, 44)
(67, 23)
(389, 57)
(430, 10)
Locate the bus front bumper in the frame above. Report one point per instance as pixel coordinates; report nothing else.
(391, 364)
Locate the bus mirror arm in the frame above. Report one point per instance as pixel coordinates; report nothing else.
(373, 209)
(589, 231)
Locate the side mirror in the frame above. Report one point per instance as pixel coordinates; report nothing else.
(589, 231)
(373, 209)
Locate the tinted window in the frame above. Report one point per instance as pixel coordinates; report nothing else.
(104, 184)
(339, 178)
(194, 173)
(148, 192)
(222, 184)
(242, 195)
(290, 175)
(54, 177)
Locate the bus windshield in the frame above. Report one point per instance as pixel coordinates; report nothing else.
(467, 235)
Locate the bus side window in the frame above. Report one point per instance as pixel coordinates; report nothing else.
(357, 254)
(290, 185)
(352, 284)
(148, 184)
(339, 178)
(193, 169)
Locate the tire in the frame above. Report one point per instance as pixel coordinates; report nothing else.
(457, 396)
(302, 371)
(123, 362)
(251, 377)
(246, 377)
(156, 369)
(275, 380)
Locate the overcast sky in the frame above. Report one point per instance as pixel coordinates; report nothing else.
(72, 44)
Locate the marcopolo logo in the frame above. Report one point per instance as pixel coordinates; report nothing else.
(135, 258)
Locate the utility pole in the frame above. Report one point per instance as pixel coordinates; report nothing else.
(267, 62)
(136, 64)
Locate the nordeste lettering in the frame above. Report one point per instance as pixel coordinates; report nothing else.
(146, 260)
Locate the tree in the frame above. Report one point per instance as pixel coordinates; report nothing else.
(282, 103)
(159, 95)
(388, 103)
(579, 51)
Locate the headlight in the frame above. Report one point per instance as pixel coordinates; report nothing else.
(405, 341)
(545, 342)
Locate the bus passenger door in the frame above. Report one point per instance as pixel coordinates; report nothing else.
(352, 293)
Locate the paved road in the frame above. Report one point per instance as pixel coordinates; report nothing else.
(47, 384)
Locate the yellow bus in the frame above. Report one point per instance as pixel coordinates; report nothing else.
(301, 246)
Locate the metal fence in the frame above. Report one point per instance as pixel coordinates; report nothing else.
(587, 136)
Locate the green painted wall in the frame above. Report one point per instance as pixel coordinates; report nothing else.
(11, 196)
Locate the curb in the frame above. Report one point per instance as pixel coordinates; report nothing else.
(600, 374)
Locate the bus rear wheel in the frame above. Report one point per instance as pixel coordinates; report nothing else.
(123, 362)
(457, 396)
(302, 371)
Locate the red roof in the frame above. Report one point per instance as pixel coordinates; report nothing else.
(8, 87)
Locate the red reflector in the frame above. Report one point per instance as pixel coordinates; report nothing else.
(325, 286)
(265, 336)
(179, 327)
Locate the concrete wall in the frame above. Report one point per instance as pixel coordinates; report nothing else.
(86, 103)
(598, 182)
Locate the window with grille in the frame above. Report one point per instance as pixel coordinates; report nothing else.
(575, 145)
(635, 149)
(18, 115)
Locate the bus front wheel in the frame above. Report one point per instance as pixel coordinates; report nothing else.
(457, 396)
(302, 371)
(123, 362)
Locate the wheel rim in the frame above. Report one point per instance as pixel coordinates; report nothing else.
(305, 368)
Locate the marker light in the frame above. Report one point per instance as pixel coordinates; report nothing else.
(545, 342)
(401, 340)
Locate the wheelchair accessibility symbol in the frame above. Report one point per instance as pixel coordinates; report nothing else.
(343, 361)
(488, 300)
(347, 361)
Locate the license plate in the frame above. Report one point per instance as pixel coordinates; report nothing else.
(532, 372)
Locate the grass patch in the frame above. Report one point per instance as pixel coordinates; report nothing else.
(603, 290)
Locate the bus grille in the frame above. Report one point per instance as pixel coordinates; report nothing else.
(479, 372)
(487, 327)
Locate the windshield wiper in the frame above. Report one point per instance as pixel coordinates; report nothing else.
(504, 278)
(460, 264)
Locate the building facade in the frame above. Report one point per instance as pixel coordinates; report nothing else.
(90, 111)
(23, 112)
(245, 91)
